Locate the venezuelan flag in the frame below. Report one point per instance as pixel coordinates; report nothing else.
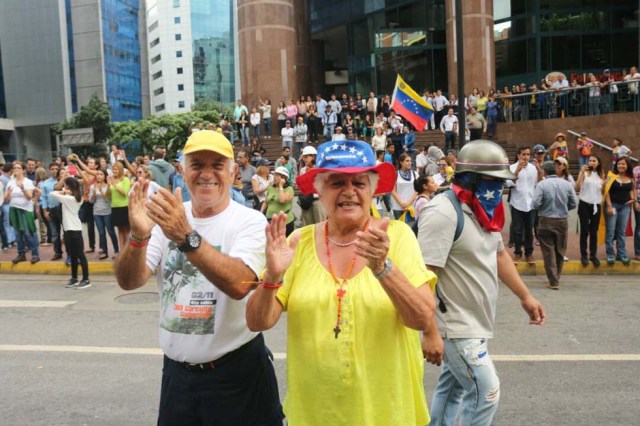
(410, 105)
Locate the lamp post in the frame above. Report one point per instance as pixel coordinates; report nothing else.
(460, 58)
(433, 65)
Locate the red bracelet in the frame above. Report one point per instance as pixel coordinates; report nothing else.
(138, 244)
(271, 286)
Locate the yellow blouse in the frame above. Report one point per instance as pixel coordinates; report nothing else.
(372, 374)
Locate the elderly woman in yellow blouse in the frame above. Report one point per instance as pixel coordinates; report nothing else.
(356, 292)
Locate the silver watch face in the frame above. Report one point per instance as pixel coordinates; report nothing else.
(194, 240)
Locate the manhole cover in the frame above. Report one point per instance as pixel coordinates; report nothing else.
(138, 298)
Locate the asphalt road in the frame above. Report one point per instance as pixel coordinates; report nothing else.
(90, 357)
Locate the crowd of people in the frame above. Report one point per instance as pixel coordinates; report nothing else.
(217, 228)
(351, 117)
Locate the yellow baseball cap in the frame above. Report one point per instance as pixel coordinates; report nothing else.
(208, 140)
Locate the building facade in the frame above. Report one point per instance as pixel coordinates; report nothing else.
(191, 53)
(56, 54)
(360, 45)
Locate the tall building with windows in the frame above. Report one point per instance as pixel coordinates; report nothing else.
(191, 53)
(360, 45)
(56, 54)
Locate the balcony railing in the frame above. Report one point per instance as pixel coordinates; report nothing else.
(621, 96)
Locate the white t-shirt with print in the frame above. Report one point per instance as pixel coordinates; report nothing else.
(18, 199)
(198, 322)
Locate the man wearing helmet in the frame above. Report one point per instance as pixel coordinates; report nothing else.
(468, 256)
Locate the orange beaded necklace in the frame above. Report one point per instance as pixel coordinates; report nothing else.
(341, 290)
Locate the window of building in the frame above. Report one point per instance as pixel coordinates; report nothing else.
(176, 3)
(159, 107)
(176, 20)
(180, 70)
(153, 26)
(178, 53)
(157, 75)
(155, 59)
(158, 91)
(180, 87)
(155, 42)
(180, 104)
(178, 37)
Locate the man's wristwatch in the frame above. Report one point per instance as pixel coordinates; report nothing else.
(387, 268)
(192, 241)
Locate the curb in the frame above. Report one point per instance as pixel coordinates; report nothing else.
(572, 267)
(53, 268)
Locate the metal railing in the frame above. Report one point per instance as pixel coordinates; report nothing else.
(620, 96)
(595, 142)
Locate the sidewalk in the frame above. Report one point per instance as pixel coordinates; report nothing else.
(572, 267)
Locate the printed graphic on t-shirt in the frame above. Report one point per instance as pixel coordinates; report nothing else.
(189, 299)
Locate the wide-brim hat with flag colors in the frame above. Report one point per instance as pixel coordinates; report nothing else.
(348, 157)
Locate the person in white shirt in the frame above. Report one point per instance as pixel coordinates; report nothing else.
(335, 105)
(254, 119)
(421, 160)
(287, 135)
(522, 212)
(19, 194)
(207, 255)
(590, 185)
(338, 135)
(300, 135)
(71, 199)
(449, 126)
(439, 102)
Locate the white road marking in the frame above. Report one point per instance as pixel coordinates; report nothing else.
(36, 303)
(283, 355)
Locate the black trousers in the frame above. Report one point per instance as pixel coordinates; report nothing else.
(523, 231)
(588, 228)
(241, 391)
(75, 249)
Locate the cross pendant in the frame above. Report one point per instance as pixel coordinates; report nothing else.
(337, 330)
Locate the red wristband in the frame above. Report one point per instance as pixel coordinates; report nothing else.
(271, 286)
(138, 244)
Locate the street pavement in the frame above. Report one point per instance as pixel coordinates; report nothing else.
(91, 357)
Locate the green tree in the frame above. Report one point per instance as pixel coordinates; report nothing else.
(95, 114)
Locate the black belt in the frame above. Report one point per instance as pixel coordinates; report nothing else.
(217, 363)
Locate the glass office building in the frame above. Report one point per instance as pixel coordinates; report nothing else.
(213, 50)
(375, 39)
(3, 104)
(121, 49)
(534, 37)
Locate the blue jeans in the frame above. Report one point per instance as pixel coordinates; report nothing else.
(243, 134)
(8, 229)
(468, 386)
(491, 125)
(616, 227)
(583, 161)
(267, 126)
(329, 130)
(25, 237)
(256, 132)
(104, 226)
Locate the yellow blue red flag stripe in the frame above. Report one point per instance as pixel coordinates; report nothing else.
(407, 103)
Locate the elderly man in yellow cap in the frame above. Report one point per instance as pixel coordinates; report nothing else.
(216, 371)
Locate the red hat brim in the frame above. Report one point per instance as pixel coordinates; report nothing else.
(386, 180)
